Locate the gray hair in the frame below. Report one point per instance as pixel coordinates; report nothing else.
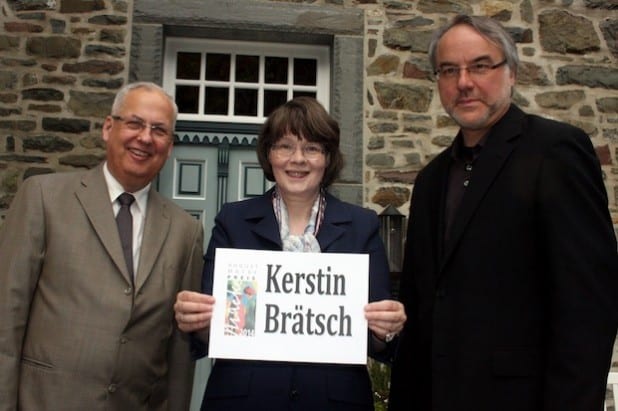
(486, 27)
(122, 94)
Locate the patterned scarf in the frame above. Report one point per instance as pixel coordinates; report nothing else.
(306, 242)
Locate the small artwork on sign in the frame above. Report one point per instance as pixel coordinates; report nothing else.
(240, 307)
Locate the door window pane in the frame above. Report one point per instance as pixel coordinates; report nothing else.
(188, 66)
(245, 102)
(273, 99)
(187, 98)
(247, 69)
(216, 101)
(276, 70)
(305, 72)
(217, 67)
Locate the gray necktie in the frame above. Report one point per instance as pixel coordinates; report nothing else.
(124, 221)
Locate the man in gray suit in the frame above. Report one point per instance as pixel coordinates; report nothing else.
(79, 330)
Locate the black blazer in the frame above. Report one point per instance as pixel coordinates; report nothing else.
(519, 310)
(278, 386)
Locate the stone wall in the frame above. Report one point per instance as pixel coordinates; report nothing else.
(61, 63)
(568, 51)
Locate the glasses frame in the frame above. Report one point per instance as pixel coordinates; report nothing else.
(476, 69)
(287, 150)
(139, 125)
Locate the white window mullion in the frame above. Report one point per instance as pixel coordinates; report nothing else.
(202, 95)
(261, 82)
(231, 88)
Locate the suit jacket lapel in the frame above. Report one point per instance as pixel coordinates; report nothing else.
(264, 221)
(499, 145)
(94, 198)
(334, 216)
(156, 228)
(429, 215)
(439, 197)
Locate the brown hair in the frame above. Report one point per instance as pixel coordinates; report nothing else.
(306, 118)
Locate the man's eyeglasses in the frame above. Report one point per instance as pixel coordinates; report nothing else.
(311, 151)
(138, 125)
(448, 72)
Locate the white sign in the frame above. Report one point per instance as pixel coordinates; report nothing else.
(284, 306)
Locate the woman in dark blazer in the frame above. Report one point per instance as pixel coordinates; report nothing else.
(298, 148)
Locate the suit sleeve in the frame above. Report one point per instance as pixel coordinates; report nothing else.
(379, 277)
(582, 267)
(379, 270)
(22, 247)
(181, 365)
(218, 238)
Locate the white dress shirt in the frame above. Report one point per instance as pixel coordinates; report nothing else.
(138, 211)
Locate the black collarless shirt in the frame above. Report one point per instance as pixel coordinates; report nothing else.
(462, 164)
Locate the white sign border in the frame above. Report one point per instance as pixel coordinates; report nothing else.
(298, 306)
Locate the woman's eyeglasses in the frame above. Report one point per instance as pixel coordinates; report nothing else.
(309, 150)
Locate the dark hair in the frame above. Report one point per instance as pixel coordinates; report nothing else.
(486, 27)
(306, 118)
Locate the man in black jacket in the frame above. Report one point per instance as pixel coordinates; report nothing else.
(510, 275)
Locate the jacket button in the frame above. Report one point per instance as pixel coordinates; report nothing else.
(294, 394)
(112, 388)
(123, 340)
(128, 291)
